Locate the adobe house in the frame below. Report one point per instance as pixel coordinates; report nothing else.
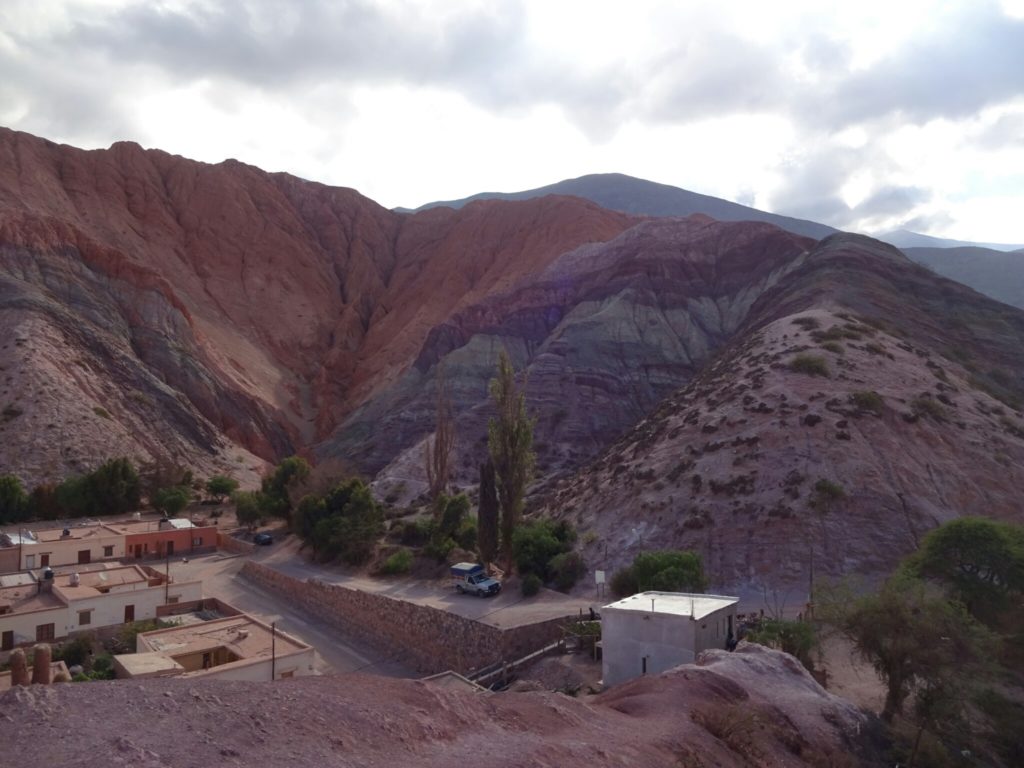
(231, 648)
(47, 605)
(651, 632)
(71, 545)
(164, 538)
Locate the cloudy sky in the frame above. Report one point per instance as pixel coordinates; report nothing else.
(867, 115)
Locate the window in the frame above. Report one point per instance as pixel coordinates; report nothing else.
(8, 641)
(108, 551)
(173, 599)
(30, 561)
(197, 542)
(85, 617)
(44, 632)
(286, 675)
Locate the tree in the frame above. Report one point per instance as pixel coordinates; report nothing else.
(113, 488)
(13, 501)
(980, 562)
(912, 638)
(250, 508)
(163, 473)
(171, 501)
(668, 570)
(437, 452)
(276, 486)
(220, 486)
(487, 514)
(351, 526)
(510, 441)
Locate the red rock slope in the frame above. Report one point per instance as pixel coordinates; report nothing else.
(753, 707)
(159, 306)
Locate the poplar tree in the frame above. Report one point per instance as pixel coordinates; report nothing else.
(487, 514)
(437, 452)
(510, 441)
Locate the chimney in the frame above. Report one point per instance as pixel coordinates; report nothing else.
(41, 668)
(19, 668)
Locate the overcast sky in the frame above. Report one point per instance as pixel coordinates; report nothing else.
(866, 116)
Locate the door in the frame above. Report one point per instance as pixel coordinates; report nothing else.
(44, 560)
(138, 551)
(170, 548)
(129, 613)
(84, 556)
(8, 641)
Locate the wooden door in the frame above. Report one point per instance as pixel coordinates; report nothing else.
(129, 613)
(8, 641)
(44, 560)
(84, 556)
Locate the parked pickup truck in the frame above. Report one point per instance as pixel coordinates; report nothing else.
(471, 578)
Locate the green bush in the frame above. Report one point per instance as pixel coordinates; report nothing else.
(566, 569)
(531, 584)
(416, 533)
(834, 346)
(287, 475)
(868, 401)
(796, 638)
(536, 544)
(810, 365)
(345, 522)
(624, 583)
(928, 406)
(14, 503)
(667, 570)
(465, 537)
(397, 563)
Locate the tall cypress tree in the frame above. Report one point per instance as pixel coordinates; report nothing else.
(487, 514)
(510, 441)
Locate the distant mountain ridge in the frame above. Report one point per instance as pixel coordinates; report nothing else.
(628, 194)
(903, 238)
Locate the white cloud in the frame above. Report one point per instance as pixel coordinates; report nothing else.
(864, 115)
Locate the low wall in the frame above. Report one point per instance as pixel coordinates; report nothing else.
(194, 606)
(231, 544)
(429, 639)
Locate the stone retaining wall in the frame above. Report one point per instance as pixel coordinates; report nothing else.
(429, 639)
(231, 544)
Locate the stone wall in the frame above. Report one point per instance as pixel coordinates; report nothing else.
(428, 639)
(231, 544)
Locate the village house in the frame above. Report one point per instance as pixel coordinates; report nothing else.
(47, 605)
(229, 648)
(651, 632)
(91, 542)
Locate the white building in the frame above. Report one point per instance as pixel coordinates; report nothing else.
(651, 632)
(34, 608)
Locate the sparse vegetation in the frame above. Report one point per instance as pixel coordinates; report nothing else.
(797, 638)
(826, 493)
(103, 413)
(868, 401)
(926, 405)
(807, 323)
(834, 346)
(810, 365)
(397, 563)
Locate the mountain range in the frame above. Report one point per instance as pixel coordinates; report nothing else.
(697, 379)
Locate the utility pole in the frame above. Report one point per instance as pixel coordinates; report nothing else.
(273, 650)
(167, 579)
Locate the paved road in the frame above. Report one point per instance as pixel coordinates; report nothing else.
(219, 574)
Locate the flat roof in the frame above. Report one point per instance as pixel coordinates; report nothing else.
(148, 664)
(92, 583)
(674, 603)
(26, 598)
(81, 531)
(150, 526)
(246, 637)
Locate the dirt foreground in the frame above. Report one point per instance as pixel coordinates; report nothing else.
(752, 707)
